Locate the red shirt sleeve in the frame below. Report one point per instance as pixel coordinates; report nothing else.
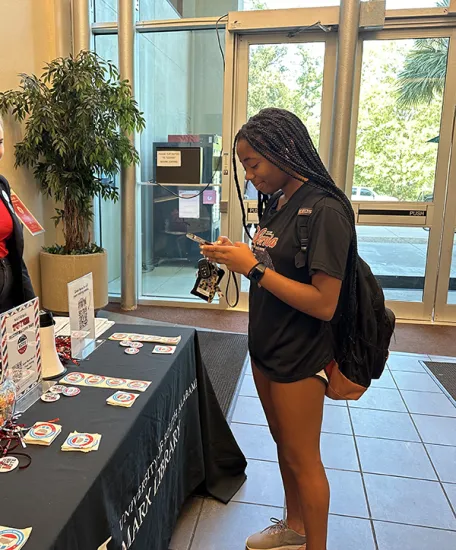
(6, 228)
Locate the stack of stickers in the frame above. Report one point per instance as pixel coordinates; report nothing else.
(122, 399)
(42, 433)
(127, 337)
(13, 539)
(165, 350)
(132, 348)
(99, 381)
(55, 391)
(82, 442)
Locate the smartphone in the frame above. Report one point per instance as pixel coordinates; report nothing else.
(197, 239)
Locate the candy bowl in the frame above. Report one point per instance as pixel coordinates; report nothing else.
(7, 400)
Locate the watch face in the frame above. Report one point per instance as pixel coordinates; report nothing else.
(257, 273)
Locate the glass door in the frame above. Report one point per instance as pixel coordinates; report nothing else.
(401, 147)
(275, 70)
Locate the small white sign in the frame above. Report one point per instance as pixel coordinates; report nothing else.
(169, 158)
(189, 204)
(20, 346)
(82, 316)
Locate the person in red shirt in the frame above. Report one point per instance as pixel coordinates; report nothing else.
(15, 284)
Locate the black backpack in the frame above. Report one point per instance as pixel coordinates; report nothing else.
(351, 373)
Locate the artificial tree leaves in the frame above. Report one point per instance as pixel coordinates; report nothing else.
(78, 117)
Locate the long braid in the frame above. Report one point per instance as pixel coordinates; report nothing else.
(282, 138)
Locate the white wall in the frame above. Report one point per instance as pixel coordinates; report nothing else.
(29, 39)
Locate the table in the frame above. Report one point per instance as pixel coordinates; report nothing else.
(173, 441)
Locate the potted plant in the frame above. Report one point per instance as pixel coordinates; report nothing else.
(78, 116)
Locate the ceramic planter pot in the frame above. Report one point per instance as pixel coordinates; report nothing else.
(58, 270)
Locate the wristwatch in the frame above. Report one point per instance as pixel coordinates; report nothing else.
(256, 273)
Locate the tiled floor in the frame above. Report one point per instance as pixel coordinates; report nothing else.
(391, 464)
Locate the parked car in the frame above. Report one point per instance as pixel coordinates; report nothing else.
(366, 194)
(425, 197)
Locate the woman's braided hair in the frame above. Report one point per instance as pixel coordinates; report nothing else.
(282, 138)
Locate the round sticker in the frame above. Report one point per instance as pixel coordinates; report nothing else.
(137, 385)
(42, 431)
(22, 344)
(123, 397)
(74, 377)
(58, 388)
(120, 336)
(114, 382)
(137, 345)
(50, 397)
(132, 351)
(81, 441)
(71, 391)
(125, 343)
(94, 380)
(10, 539)
(8, 464)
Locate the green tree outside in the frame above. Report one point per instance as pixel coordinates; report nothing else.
(400, 105)
(393, 153)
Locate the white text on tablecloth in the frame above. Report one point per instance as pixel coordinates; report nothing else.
(134, 516)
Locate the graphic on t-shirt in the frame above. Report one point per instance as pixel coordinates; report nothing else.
(262, 241)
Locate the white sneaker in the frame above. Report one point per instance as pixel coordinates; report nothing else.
(277, 536)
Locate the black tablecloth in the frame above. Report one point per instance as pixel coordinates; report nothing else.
(151, 457)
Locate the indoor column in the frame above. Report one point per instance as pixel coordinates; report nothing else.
(128, 173)
(343, 99)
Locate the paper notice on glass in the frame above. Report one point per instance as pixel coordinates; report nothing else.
(189, 204)
(169, 158)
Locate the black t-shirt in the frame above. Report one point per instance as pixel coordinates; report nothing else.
(286, 344)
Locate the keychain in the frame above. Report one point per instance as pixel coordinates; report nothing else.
(207, 284)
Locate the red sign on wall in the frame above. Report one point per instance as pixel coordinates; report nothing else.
(26, 217)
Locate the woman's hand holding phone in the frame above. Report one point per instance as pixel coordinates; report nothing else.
(236, 256)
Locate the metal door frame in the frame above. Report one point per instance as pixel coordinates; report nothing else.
(436, 217)
(445, 312)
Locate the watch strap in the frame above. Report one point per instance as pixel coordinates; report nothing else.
(256, 273)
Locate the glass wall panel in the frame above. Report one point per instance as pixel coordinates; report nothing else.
(176, 9)
(390, 4)
(105, 11)
(107, 213)
(181, 93)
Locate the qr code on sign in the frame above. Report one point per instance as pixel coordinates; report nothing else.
(83, 313)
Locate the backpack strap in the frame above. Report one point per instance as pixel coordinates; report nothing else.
(304, 214)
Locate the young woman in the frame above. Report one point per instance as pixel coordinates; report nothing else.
(291, 305)
(15, 285)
